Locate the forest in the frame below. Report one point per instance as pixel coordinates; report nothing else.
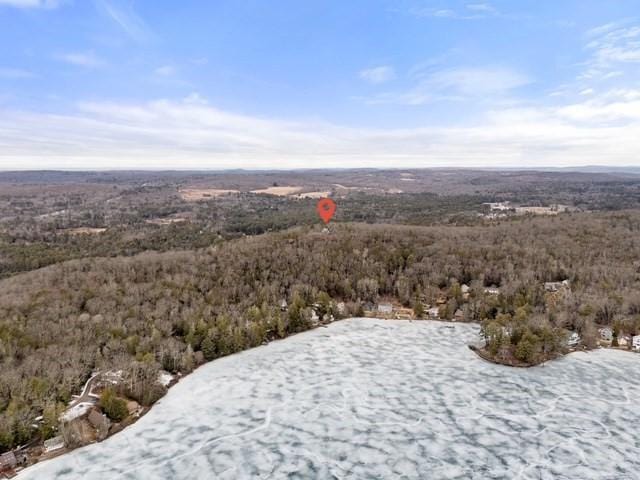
(175, 310)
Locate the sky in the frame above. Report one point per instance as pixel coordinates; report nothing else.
(278, 84)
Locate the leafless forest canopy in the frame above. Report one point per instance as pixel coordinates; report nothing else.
(125, 271)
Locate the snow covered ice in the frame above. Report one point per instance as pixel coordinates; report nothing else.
(379, 399)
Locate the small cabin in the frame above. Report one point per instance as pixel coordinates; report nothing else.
(53, 444)
(635, 342)
(553, 287)
(606, 334)
(8, 461)
(573, 340)
(385, 308)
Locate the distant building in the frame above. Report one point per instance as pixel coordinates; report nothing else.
(553, 287)
(624, 340)
(606, 334)
(8, 461)
(465, 289)
(315, 319)
(434, 313)
(573, 340)
(492, 291)
(385, 308)
(458, 315)
(342, 308)
(283, 305)
(635, 342)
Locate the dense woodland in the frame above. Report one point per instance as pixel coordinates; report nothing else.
(178, 309)
(39, 210)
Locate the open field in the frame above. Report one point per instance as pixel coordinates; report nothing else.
(279, 191)
(197, 194)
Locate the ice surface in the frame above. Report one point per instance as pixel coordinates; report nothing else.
(379, 399)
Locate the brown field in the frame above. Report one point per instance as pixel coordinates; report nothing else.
(279, 191)
(197, 194)
(165, 221)
(314, 195)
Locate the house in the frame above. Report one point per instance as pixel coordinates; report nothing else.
(53, 444)
(606, 334)
(97, 419)
(385, 308)
(624, 340)
(465, 289)
(492, 291)
(434, 313)
(635, 342)
(553, 287)
(8, 461)
(100, 422)
(573, 340)
(283, 305)
(458, 315)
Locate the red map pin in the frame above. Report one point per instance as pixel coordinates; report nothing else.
(326, 208)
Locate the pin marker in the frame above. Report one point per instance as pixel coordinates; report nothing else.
(326, 208)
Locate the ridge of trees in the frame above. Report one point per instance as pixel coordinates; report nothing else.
(176, 310)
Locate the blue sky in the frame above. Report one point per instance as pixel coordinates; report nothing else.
(282, 84)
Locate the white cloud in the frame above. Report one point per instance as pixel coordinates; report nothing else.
(471, 11)
(378, 75)
(15, 73)
(81, 59)
(611, 46)
(191, 134)
(454, 84)
(165, 71)
(31, 3)
(126, 19)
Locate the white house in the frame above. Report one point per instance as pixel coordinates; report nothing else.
(492, 291)
(434, 312)
(635, 342)
(573, 340)
(606, 334)
(385, 308)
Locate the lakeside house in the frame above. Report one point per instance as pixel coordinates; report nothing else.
(606, 334)
(465, 289)
(53, 444)
(635, 342)
(624, 340)
(458, 316)
(8, 461)
(573, 340)
(385, 308)
(492, 291)
(434, 313)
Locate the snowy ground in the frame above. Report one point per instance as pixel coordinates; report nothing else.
(380, 399)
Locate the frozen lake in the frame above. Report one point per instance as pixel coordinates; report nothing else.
(380, 399)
